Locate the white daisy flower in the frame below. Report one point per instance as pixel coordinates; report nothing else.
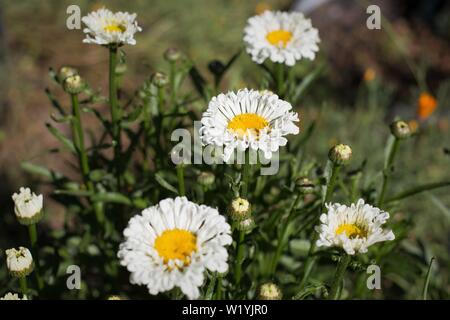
(105, 27)
(282, 37)
(248, 119)
(13, 296)
(353, 228)
(28, 206)
(19, 262)
(173, 243)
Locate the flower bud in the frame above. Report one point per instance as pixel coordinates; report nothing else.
(206, 178)
(246, 225)
(66, 72)
(240, 209)
(28, 206)
(121, 68)
(270, 291)
(74, 84)
(160, 79)
(19, 262)
(304, 185)
(13, 296)
(400, 129)
(340, 154)
(172, 55)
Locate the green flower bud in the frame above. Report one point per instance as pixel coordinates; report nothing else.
(160, 79)
(340, 154)
(172, 55)
(65, 72)
(304, 185)
(270, 291)
(246, 225)
(74, 84)
(240, 209)
(400, 129)
(206, 178)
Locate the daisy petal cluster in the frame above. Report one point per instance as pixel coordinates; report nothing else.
(105, 27)
(248, 119)
(173, 243)
(282, 37)
(27, 206)
(13, 296)
(19, 262)
(353, 228)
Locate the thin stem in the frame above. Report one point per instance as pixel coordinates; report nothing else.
(311, 260)
(180, 175)
(23, 285)
(281, 240)
(386, 169)
(115, 112)
(78, 137)
(280, 79)
(245, 174)
(32, 232)
(218, 295)
(239, 258)
(338, 276)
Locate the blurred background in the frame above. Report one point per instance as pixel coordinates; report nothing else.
(369, 77)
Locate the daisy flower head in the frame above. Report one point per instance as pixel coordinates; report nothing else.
(13, 296)
(248, 119)
(19, 262)
(28, 206)
(173, 243)
(105, 27)
(282, 37)
(353, 228)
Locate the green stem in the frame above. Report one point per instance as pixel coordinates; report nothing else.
(115, 112)
(279, 79)
(281, 240)
(239, 258)
(331, 184)
(311, 260)
(338, 276)
(23, 285)
(32, 232)
(78, 137)
(245, 175)
(386, 171)
(218, 295)
(180, 175)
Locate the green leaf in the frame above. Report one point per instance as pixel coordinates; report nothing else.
(112, 197)
(210, 290)
(40, 170)
(61, 137)
(427, 280)
(307, 81)
(75, 193)
(418, 189)
(160, 179)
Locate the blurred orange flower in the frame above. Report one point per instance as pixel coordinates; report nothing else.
(426, 105)
(369, 74)
(261, 7)
(413, 125)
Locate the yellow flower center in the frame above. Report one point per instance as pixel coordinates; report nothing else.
(115, 27)
(279, 38)
(176, 244)
(247, 121)
(351, 230)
